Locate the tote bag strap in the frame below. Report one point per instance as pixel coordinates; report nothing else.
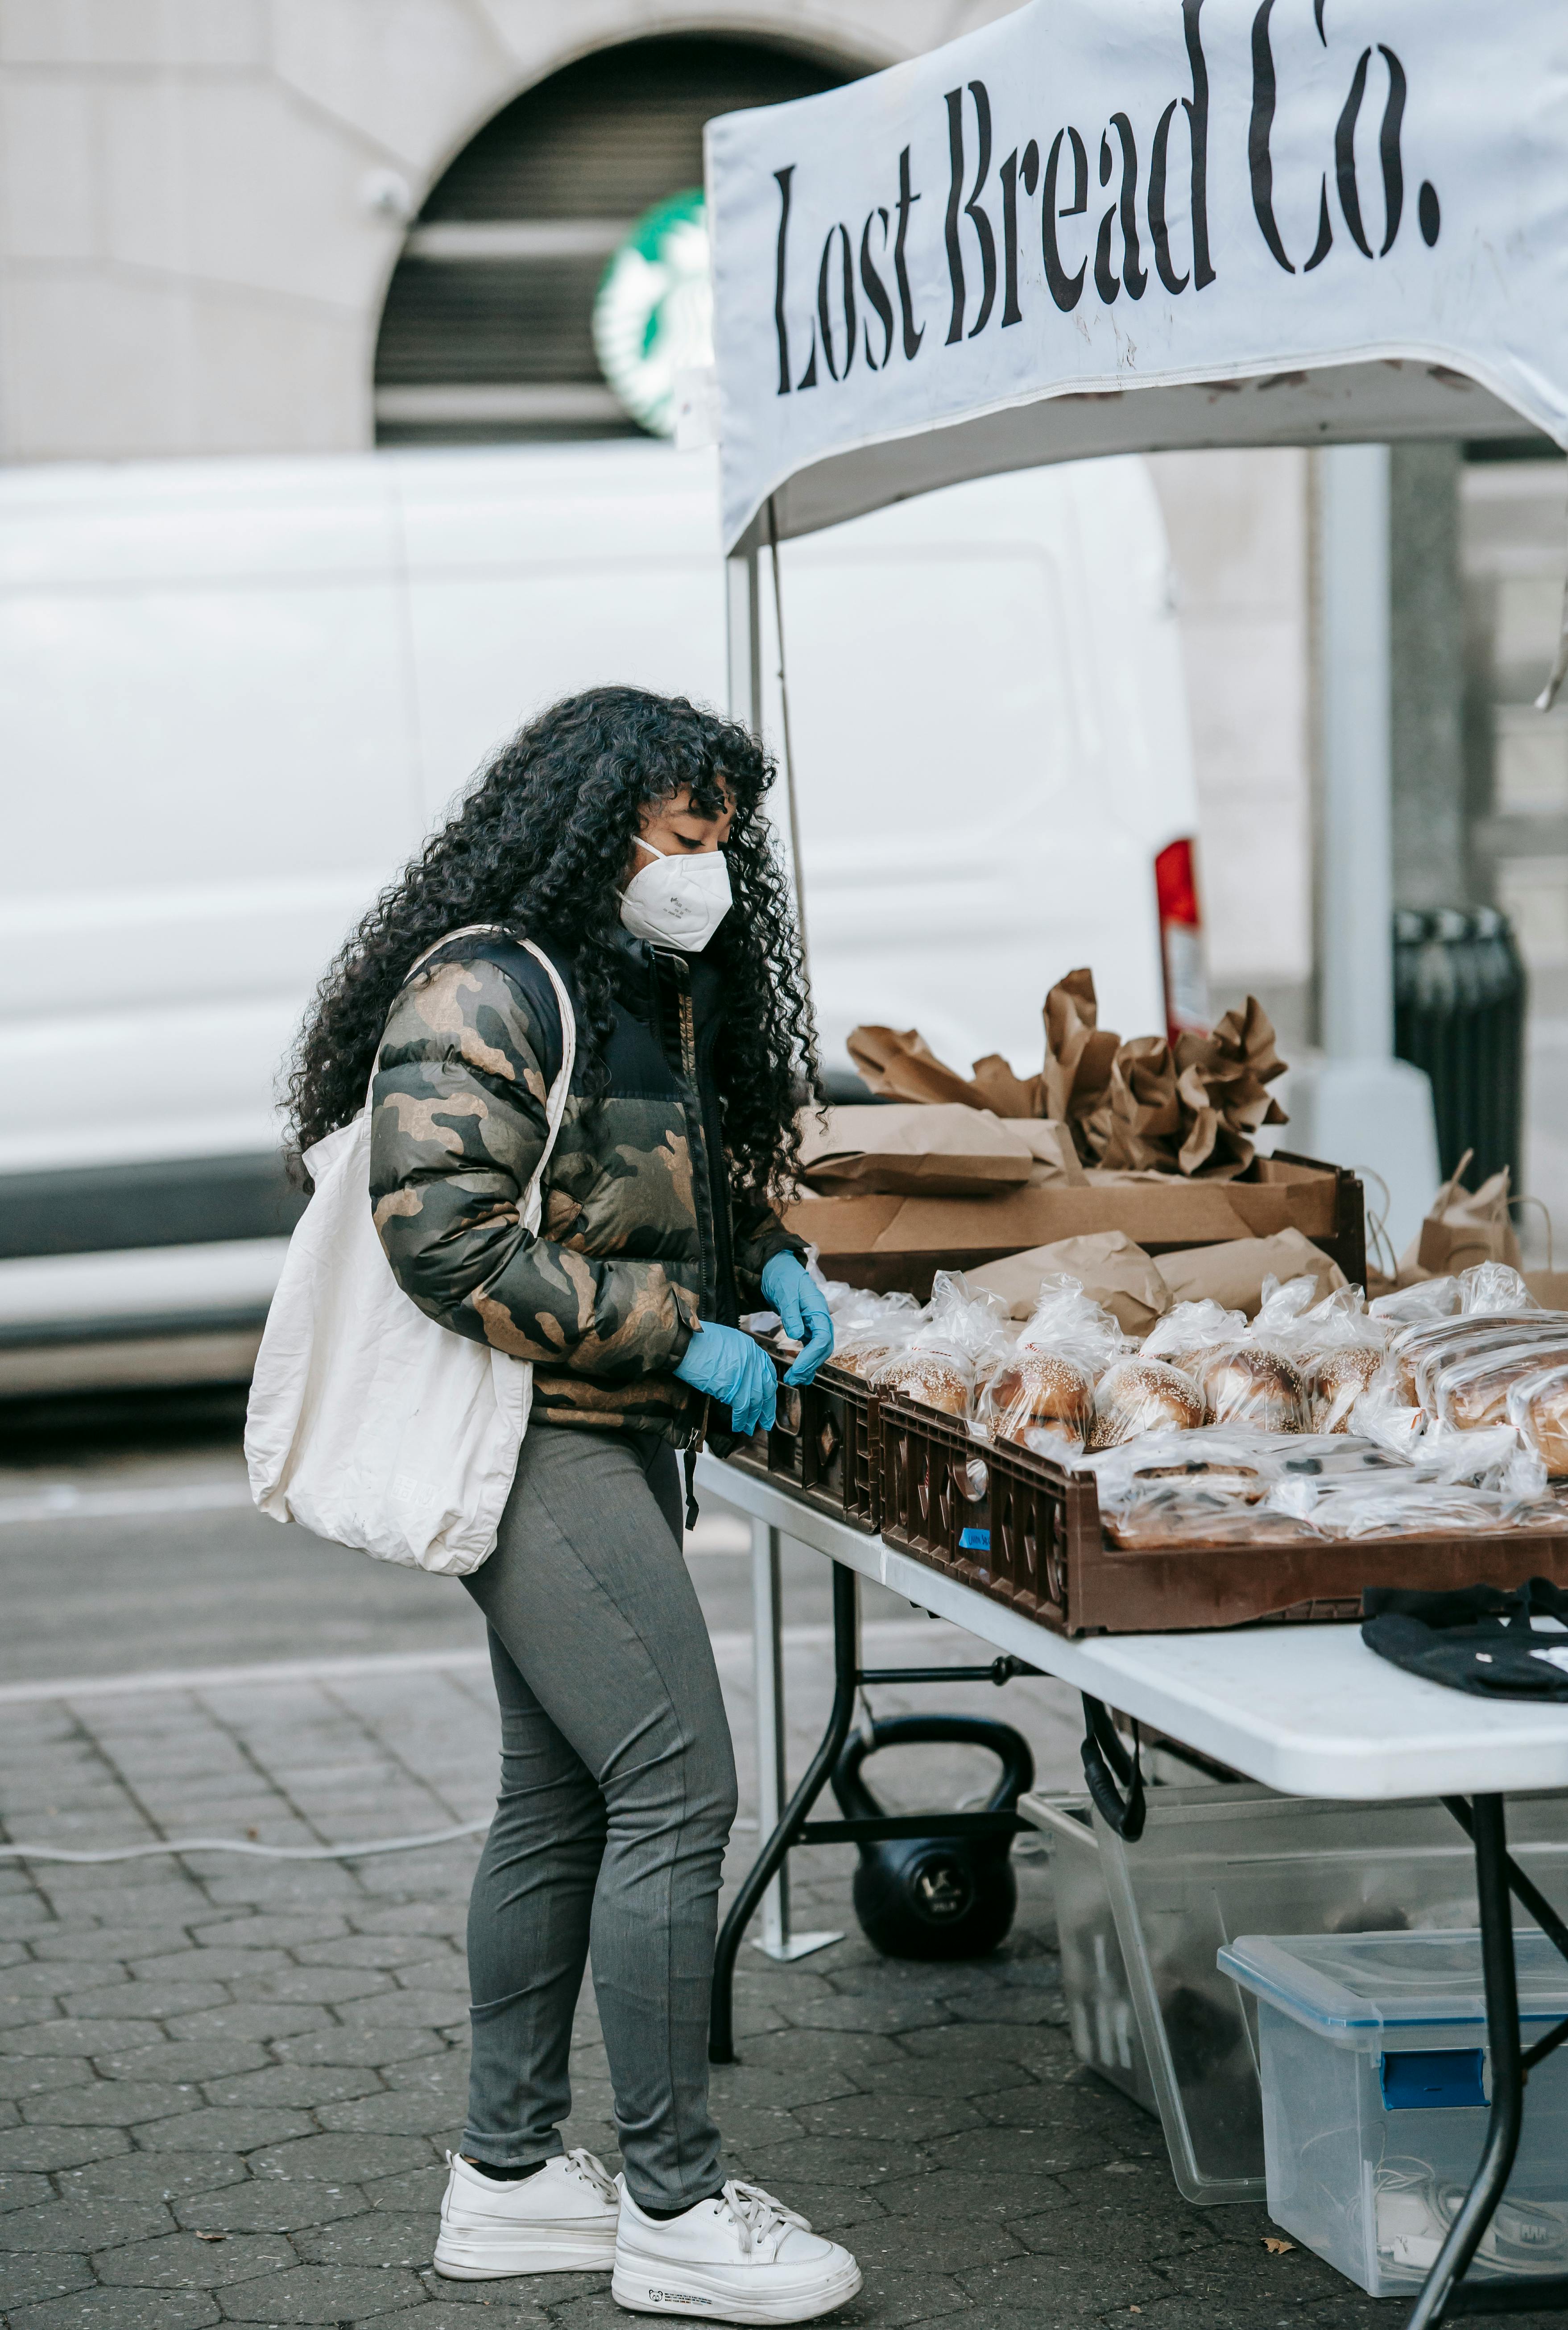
(533, 1203)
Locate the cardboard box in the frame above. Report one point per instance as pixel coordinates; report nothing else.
(892, 1242)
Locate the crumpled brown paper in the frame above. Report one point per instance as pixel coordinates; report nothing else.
(1137, 1107)
(1222, 1080)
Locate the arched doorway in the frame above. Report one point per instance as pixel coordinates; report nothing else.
(486, 334)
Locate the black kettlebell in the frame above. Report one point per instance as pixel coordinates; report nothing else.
(927, 1896)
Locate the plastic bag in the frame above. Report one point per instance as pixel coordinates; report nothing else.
(1538, 1411)
(868, 1332)
(1204, 1486)
(1420, 1305)
(1471, 1392)
(1041, 1395)
(1339, 1351)
(1249, 1383)
(959, 1337)
(1471, 1348)
(1189, 1331)
(1140, 1395)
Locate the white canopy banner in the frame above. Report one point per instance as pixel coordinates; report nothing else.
(1101, 225)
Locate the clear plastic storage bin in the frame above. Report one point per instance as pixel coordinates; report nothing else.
(1376, 2082)
(1140, 1925)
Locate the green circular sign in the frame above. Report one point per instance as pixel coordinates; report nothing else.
(653, 316)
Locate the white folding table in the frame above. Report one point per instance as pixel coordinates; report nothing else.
(1308, 1710)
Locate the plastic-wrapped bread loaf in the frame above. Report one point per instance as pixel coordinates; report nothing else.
(1472, 1393)
(1538, 1411)
(1040, 1400)
(957, 1338)
(934, 1378)
(1334, 1381)
(1250, 1385)
(1138, 1396)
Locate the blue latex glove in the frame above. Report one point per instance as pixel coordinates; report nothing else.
(789, 1288)
(730, 1366)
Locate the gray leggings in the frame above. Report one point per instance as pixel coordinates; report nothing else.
(617, 1790)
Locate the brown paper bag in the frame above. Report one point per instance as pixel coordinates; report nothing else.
(948, 1149)
(1054, 1152)
(1111, 1269)
(1463, 1227)
(1233, 1274)
(1146, 1116)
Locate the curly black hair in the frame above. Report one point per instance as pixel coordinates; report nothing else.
(540, 843)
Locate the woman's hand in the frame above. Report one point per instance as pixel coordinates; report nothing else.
(791, 1290)
(730, 1366)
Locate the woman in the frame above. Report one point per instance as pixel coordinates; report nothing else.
(624, 833)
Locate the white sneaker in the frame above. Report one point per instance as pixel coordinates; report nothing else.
(561, 2221)
(742, 2257)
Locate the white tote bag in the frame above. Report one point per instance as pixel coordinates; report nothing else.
(368, 1423)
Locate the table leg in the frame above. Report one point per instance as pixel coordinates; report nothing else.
(846, 1663)
(1446, 2291)
(776, 1940)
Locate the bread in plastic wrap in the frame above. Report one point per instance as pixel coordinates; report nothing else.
(957, 1339)
(1537, 1406)
(1039, 1400)
(1249, 1384)
(1140, 1395)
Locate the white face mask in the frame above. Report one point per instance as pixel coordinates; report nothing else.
(677, 902)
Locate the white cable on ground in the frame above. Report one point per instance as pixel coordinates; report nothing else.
(243, 1844)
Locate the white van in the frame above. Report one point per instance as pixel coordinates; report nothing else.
(235, 694)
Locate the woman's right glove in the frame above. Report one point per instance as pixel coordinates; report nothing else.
(730, 1366)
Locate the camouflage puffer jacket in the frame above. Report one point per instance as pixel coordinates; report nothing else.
(639, 1238)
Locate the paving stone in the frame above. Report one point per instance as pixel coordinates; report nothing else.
(249, 2018)
(151, 2001)
(448, 1917)
(211, 1963)
(41, 1979)
(890, 2118)
(895, 2299)
(360, 2042)
(82, 2225)
(325, 2293)
(43, 2148)
(181, 2260)
(306, 2085)
(24, 2280)
(22, 2192)
(381, 2237)
(861, 2013)
(384, 1951)
(952, 2242)
(74, 2037)
(84, 1940)
(415, 2188)
(109, 2103)
(343, 2159)
(266, 2204)
(324, 1986)
(182, 2061)
(1061, 2288)
(757, 2086)
(396, 2114)
(120, 2309)
(785, 2048)
(152, 2176)
(36, 2075)
(238, 2130)
(507, 2313)
(980, 2078)
(266, 1931)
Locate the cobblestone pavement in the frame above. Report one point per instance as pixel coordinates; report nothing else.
(226, 2085)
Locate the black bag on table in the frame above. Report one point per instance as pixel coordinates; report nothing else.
(1479, 1639)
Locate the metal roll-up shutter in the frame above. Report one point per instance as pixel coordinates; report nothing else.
(486, 333)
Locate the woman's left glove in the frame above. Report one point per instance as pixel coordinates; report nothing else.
(789, 1288)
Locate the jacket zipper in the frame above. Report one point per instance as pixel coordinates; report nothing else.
(688, 1041)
